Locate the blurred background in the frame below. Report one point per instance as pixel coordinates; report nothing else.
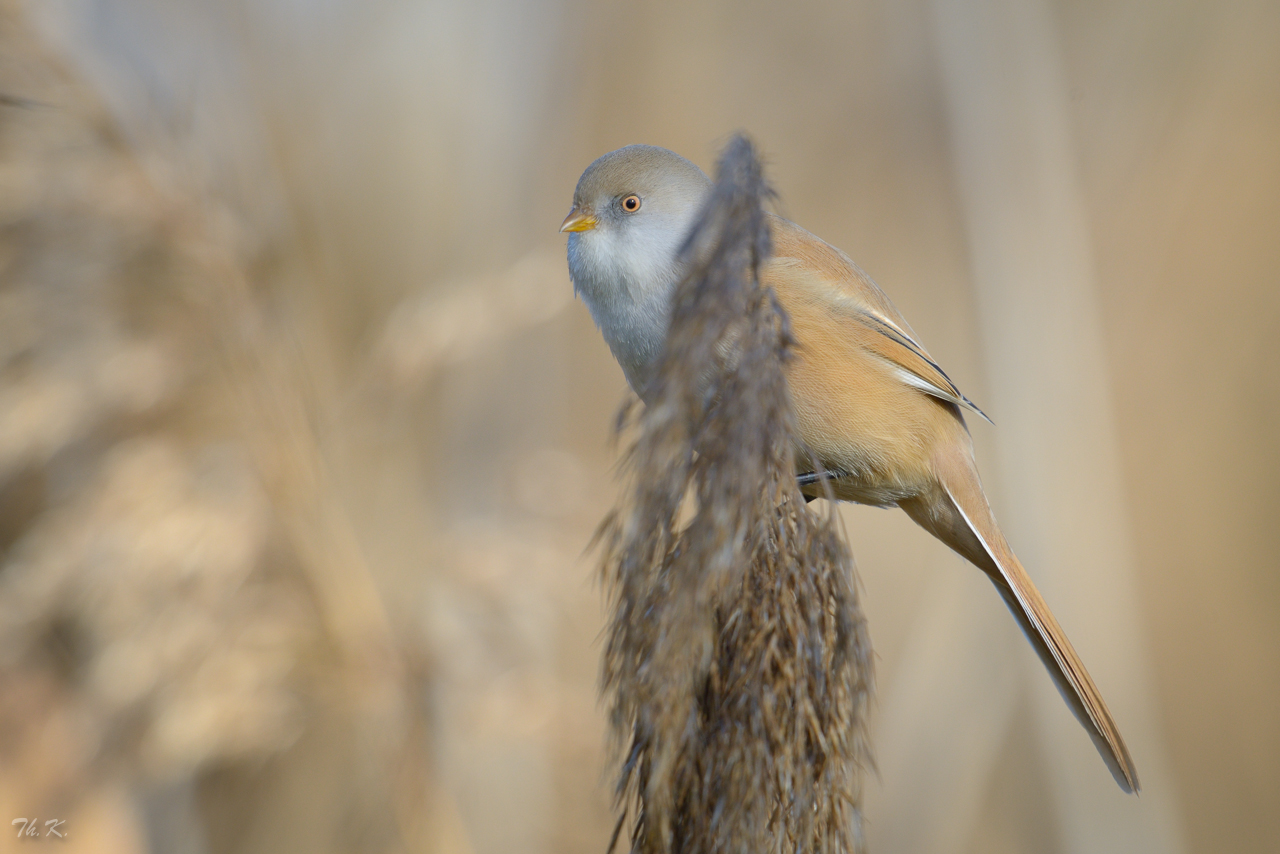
(303, 436)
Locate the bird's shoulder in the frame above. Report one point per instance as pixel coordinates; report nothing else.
(802, 262)
(807, 273)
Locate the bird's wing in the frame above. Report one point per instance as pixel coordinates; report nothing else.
(804, 267)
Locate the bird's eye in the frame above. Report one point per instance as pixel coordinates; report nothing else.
(631, 203)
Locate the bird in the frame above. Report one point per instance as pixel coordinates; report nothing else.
(871, 406)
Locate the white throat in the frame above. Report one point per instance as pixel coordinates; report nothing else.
(626, 277)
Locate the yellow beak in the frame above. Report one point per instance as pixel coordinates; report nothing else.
(578, 220)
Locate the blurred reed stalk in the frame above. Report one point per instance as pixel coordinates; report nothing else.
(737, 665)
(187, 620)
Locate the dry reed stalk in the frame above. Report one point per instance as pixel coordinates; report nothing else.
(737, 663)
(189, 608)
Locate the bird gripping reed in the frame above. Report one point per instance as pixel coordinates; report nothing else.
(737, 666)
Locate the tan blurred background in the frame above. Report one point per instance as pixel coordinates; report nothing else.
(303, 437)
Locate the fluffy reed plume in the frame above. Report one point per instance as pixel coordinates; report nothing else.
(183, 605)
(737, 663)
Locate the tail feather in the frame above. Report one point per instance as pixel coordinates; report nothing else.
(964, 492)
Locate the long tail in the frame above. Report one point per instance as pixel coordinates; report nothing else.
(960, 517)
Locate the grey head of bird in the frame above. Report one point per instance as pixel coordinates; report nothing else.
(631, 211)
